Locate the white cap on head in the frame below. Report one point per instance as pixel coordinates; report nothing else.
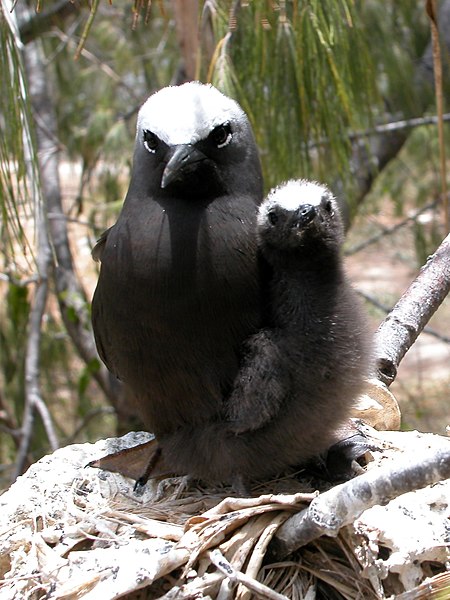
(187, 113)
(297, 192)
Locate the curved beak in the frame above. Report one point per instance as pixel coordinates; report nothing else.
(182, 158)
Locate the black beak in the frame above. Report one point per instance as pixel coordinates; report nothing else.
(181, 159)
(305, 214)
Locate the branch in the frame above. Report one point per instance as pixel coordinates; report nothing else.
(97, 62)
(383, 128)
(92, 414)
(35, 24)
(390, 230)
(87, 27)
(398, 126)
(33, 397)
(344, 503)
(71, 296)
(401, 327)
(18, 282)
(387, 309)
(371, 155)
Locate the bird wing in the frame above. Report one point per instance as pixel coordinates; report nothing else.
(104, 345)
(261, 385)
(98, 248)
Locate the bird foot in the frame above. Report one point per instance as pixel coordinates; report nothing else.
(240, 486)
(342, 457)
(180, 485)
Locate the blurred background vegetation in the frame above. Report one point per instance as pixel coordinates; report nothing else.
(337, 90)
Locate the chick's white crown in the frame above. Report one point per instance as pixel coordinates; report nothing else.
(187, 113)
(297, 192)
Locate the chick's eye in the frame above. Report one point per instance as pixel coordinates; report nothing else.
(221, 135)
(327, 204)
(150, 141)
(273, 217)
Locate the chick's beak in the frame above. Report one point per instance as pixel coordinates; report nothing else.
(305, 214)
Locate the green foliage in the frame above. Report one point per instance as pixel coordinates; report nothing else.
(304, 74)
(18, 169)
(13, 333)
(308, 72)
(84, 379)
(98, 95)
(398, 33)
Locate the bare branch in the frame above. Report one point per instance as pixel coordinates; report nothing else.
(385, 128)
(35, 24)
(344, 503)
(398, 126)
(103, 66)
(401, 327)
(372, 153)
(19, 282)
(33, 398)
(71, 296)
(390, 230)
(92, 414)
(387, 309)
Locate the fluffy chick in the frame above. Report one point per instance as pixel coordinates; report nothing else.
(301, 373)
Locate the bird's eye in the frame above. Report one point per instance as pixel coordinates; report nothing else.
(150, 141)
(221, 135)
(273, 217)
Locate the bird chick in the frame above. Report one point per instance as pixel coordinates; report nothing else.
(178, 290)
(301, 373)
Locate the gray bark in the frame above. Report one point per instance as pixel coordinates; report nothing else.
(412, 312)
(71, 296)
(344, 503)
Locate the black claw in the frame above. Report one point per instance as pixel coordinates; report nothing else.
(141, 482)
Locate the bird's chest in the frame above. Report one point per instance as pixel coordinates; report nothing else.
(174, 262)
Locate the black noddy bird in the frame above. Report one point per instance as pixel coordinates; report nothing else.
(178, 290)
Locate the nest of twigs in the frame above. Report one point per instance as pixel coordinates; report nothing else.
(70, 532)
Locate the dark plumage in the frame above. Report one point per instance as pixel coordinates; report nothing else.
(301, 373)
(178, 290)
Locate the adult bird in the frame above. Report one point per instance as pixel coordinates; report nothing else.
(178, 289)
